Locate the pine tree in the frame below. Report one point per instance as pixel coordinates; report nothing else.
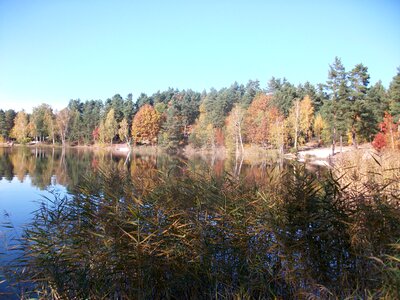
(359, 116)
(172, 130)
(337, 87)
(3, 131)
(377, 100)
(394, 96)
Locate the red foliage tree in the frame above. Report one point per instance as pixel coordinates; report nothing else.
(379, 141)
(96, 133)
(219, 137)
(389, 131)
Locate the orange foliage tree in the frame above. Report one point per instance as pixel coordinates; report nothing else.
(260, 116)
(145, 125)
(390, 130)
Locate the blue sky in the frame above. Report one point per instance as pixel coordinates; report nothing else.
(54, 51)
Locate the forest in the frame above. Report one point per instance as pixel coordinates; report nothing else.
(346, 109)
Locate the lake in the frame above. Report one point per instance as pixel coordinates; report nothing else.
(89, 224)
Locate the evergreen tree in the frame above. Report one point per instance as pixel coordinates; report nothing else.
(359, 116)
(338, 91)
(3, 131)
(129, 110)
(283, 94)
(186, 106)
(91, 115)
(377, 100)
(394, 96)
(142, 100)
(251, 90)
(307, 89)
(9, 121)
(75, 108)
(50, 123)
(171, 130)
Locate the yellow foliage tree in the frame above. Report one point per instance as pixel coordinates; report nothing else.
(146, 125)
(234, 125)
(319, 125)
(20, 130)
(300, 121)
(203, 132)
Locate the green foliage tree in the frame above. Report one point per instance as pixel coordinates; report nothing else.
(129, 109)
(3, 132)
(9, 116)
(117, 103)
(50, 123)
(377, 100)
(143, 100)
(316, 95)
(75, 133)
(171, 134)
(358, 114)
(251, 90)
(219, 103)
(283, 94)
(91, 116)
(338, 93)
(39, 129)
(394, 96)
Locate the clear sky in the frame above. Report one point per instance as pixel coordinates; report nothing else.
(54, 51)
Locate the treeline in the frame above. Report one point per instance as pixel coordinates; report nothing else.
(344, 109)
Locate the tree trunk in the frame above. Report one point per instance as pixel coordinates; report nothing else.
(296, 125)
(341, 144)
(354, 137)
(282, 138)
(236, 146)
(240, 139)
(391, 136)
(334, 134)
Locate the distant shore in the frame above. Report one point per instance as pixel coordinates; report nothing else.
(317, 156)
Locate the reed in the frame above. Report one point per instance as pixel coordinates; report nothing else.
(196, 236)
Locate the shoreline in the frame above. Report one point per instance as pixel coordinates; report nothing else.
(321, 156)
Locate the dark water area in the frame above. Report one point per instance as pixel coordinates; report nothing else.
(90, 224)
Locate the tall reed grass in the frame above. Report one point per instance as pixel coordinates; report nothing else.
(192, 236)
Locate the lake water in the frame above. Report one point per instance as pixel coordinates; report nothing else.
(103, 223)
